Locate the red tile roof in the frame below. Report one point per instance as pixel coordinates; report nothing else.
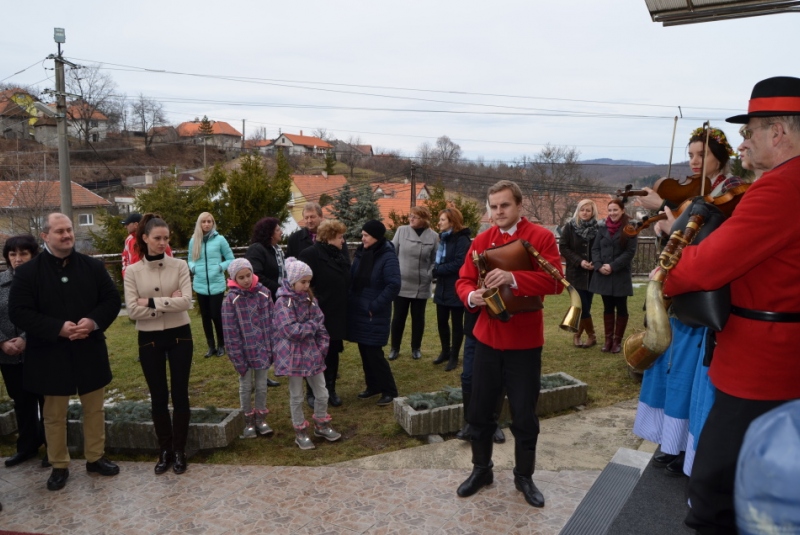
(80, 110)
(218, 128)
(8, 107)
(257, 143)
(308, 141)
(399, 198)
(313, 186)
(20, 194)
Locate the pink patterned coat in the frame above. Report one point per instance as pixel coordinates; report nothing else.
(301, 341)
(246, 326)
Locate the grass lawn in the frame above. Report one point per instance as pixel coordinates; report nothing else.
(366, 428)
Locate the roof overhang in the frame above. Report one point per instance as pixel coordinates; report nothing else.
(675, 12)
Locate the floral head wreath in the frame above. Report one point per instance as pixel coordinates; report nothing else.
(717, 135)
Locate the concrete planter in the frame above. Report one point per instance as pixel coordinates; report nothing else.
(8, 423)
(450, 419)
(141, 436)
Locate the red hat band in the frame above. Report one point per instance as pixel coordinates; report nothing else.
(787, 104)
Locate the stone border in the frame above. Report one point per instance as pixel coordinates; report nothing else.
(450, 419)
(8, 423)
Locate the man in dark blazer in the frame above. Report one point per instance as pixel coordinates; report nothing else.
(64, 301)
(306, 236)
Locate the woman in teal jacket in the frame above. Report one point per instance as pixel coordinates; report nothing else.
(209, 256)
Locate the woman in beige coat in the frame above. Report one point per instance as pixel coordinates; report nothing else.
(158, 294)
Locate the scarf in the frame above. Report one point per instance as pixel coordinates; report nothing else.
(280, 260)
(585, 229)
(442, 251)
(612, 226)
(233, 284)
(364, 274)
(337, 255)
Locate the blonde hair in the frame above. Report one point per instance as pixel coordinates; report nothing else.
(576, 216)
(198, 234)
(329, 229)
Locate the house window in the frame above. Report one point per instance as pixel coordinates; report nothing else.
(85, 220)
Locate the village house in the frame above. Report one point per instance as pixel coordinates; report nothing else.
(300, 144)
(223, 135)
(397, 196)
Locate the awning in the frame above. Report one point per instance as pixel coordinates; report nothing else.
(674, 12)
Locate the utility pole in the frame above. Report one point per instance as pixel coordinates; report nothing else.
(242, 150)
(413, 186)
(61, 110)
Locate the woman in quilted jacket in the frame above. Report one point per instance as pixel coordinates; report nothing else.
(300, 346)
(246, 323)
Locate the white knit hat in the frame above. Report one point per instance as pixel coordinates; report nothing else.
(237, 265)
(296, 270)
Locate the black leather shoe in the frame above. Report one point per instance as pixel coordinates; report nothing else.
(310, 400)
(58, 478)
(663, 458)
(481, 476)
(179, 466)
(366, 394)
(393, 354)
(416, 354)
(527, 487)
(20, 457)
(443, 356)
(451, 365)
(272, 383)
(221, 351)
(334, 400)
(211, 352)
(385, 400)
(164, 462)
(103, 466)
(675, 468)
(499, 437)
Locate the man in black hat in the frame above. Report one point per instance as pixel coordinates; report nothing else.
(755, 366)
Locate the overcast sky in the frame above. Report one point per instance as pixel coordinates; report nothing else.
(501, 79)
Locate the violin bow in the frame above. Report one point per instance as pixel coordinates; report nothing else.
(707, 128)
(672, 146)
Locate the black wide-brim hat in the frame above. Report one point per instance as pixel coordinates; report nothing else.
(773, 97)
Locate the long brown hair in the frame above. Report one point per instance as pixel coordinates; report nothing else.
(146, 225)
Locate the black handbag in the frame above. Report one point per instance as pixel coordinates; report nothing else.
(702, 309)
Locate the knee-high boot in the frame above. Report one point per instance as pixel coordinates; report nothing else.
(525, 458)
(608, 324)
(588, 326)
(619, 331)
(576, 338)
(180, 433)
(481, 475)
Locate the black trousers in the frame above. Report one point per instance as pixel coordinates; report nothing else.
(156, 350)
(519, 371)
(401, 306)
(377, 372)
(444, 316)
(618, 302)
(27, 409)
(714, 468)
(211, 312)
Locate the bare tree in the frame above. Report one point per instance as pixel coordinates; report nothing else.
(446, 151)
(147, 114)
(323, 134)
(96, 93)
(259, 134)
(352, 155)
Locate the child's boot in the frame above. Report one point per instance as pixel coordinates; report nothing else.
(323, 429)
(262, 426)
(249, 425)
(301, 437)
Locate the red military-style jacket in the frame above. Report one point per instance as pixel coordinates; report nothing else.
(525, 330)
(757, 251)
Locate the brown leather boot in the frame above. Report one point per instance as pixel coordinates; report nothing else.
(576, 338)
(619, 331)
(588, 326)
(608, 324)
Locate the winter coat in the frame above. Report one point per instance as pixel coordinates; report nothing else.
(209, 268)
(369, 311)
(265, 266)
(297, 242)
(417, 255)
(574, 248)
(329, 283)
(158, 279)
(247, 327)
(7, 329)
(301, 341)
(446, 273)
(45, 293)
(606, 249)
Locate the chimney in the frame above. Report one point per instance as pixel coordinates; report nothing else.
(301, 132)
(148, 178)
(325, 174)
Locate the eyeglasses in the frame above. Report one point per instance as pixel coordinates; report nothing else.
(747, 133)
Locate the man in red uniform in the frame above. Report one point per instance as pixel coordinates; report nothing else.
(507, 354)
(755, 366)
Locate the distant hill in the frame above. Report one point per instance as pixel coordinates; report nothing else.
(621, 172)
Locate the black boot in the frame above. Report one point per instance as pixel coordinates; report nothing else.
(180, 434)
(452, 362)
(443, 356)
(331, 372)
(162, 423)
(481, 475)
(525, 459)
(212, 351)
(463, 434)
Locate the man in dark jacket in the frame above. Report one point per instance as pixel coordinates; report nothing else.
(306, 236)
(64, 301)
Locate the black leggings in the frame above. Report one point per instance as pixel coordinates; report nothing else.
(618, 302)
(156, 350)
(443, 319)
(401, 306)
(211, 311)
